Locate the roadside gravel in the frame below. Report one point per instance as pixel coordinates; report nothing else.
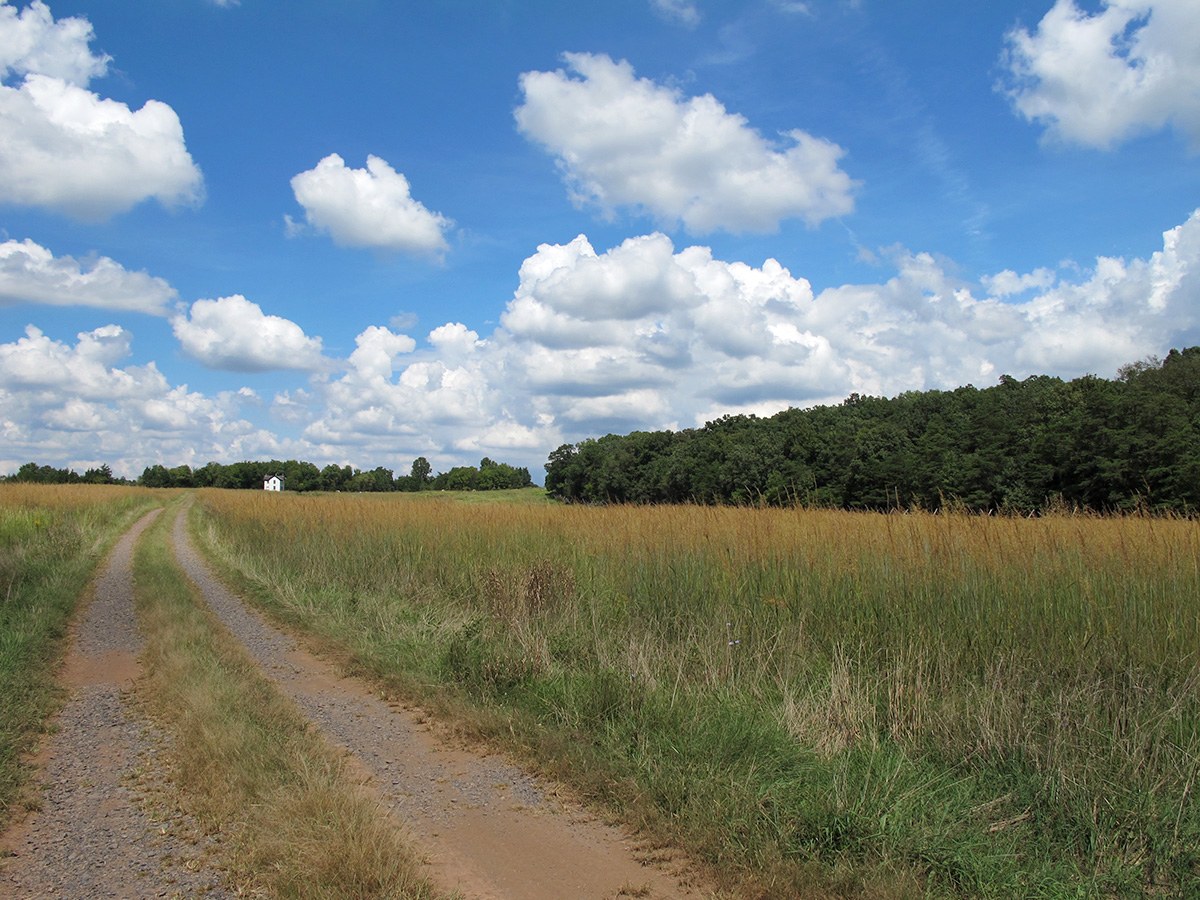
(106, 828)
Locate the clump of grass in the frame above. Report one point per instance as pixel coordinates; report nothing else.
(246, 763)
(51, 538)
(951, 704)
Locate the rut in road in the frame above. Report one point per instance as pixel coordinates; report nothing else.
(95, 836)
(486, 828)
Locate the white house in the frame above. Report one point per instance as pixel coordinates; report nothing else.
(273, 483)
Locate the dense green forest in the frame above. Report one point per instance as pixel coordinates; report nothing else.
(1021, 446)
(298, 476)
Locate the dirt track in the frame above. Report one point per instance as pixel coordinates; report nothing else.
(486, 828)
(104, 829)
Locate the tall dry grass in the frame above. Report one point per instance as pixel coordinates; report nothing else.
(971, 705)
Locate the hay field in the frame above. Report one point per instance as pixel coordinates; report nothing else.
(884, 705)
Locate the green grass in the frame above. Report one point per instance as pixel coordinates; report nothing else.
(831, 703)
(534, 495)
(528, 495)
(51, 540)
(248, 765)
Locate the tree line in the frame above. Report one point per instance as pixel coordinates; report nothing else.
(34, 474)
(1020, 446)
(298, 476)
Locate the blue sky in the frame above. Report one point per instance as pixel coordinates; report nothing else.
(368, 231)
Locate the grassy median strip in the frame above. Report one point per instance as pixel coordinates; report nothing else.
(248, 765)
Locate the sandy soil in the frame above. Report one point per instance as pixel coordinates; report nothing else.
(485, 828)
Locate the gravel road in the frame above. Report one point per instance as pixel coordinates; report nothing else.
(106, 828)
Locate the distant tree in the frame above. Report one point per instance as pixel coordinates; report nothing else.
(490, 479)
(460, 478)
(27, 472)
(335, 478)
(101, 474)
(155, 476)
(563, 476)
(181, 476)
(382, 479)
(299, 475)
(1130, 371)
(208, 475)
(494, 476)
(246, 475)
(420, 473)
(34, 474)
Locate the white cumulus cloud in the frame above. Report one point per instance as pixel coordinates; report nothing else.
(726, 336)
(234, 334)
(1008, 282)
(66, 149)
(376, 348)
(29, 273)
(668, 331)
(75, 403)
(37, 363)
(371, 207)
(1100, 78)
(454, 339)
(623, 141)
(32, 41)
(451, 397)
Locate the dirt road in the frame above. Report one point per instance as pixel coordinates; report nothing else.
(485, 828)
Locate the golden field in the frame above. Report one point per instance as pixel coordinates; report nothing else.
(948, 705)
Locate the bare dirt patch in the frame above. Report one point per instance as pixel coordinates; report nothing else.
(118, 668)
(486, 828)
